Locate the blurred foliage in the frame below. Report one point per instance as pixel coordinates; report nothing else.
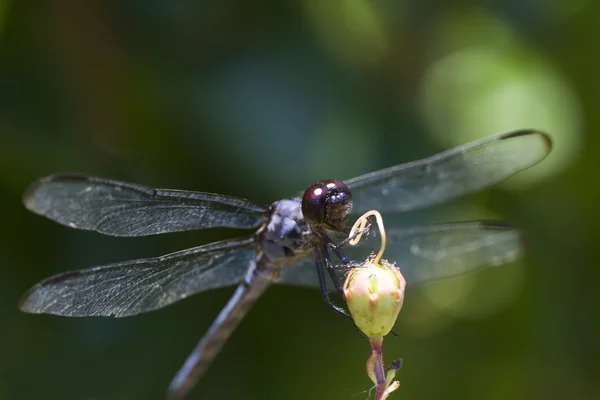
(260, 99)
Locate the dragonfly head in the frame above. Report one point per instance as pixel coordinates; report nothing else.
(327, 203)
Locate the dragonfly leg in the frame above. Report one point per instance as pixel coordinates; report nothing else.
(331, 270)
(321, 265)
(336, 250)
(338, 287)
(364, 231)
(341, 255)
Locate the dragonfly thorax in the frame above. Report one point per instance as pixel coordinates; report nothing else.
(286, 231)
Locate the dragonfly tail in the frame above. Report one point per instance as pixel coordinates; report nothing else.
(211, 343)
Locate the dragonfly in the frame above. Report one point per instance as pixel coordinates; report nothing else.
(292, 244)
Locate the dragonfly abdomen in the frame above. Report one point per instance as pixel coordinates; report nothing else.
(256, 282)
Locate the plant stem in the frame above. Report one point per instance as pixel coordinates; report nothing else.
(375, 368)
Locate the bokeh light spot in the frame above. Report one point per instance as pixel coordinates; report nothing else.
(352, 30)
(475, 296)
(478, 90)
(341, 148)
(479, 293)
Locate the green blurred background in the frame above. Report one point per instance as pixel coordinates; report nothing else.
(259, 100)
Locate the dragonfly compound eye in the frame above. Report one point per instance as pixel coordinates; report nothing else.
(338, 204)
(313, 203)
(328, 202)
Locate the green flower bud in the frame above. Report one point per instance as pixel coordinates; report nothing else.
(374, 294)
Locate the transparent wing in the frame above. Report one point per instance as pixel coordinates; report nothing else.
(137, 286)
(124, 209)
(300, 273)
(450, 174)
(429, 252)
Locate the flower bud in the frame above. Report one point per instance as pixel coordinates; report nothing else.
(374, 294)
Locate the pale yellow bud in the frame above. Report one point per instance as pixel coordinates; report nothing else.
(374, 294)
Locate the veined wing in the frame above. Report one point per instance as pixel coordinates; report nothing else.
(450, 174)
(133, 287)
(124, 209)
(429, 252)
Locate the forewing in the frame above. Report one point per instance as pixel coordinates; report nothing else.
(450, 174)
(429, 252)
(124, 209)
(137, 286)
